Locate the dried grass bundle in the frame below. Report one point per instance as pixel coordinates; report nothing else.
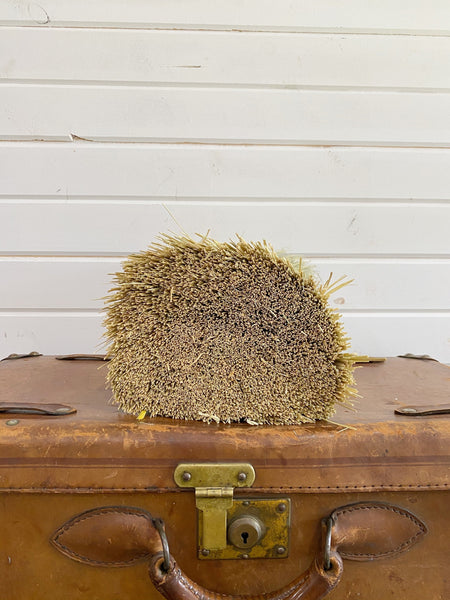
(225, 332)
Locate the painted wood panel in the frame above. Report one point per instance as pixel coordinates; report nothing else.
(303, 117)
(223, 115)
(166, 171)
(77, 283)
(302, 15)
(371, 333)
(225, 58)
(305, 228)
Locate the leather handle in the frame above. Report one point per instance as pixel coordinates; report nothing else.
(118, 536)
(314, 584)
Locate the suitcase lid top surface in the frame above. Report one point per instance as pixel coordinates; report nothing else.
(101, 449)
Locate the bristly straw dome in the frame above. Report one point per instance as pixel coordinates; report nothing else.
(225, 332)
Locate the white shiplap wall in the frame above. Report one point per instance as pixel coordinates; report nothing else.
(322, 127)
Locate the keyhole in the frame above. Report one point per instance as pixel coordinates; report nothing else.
(244, 536)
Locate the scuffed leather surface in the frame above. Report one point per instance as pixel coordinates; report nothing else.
(101, 449)
(52, 469)
(31, 568)
(120, 536)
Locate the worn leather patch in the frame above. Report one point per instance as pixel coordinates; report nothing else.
(110, 536)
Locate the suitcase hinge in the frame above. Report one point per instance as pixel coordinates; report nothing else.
(214, 485)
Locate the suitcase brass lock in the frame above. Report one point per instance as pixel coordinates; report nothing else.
(230, 527)
(245, 531)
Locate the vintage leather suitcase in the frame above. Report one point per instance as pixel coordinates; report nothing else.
(358, 512)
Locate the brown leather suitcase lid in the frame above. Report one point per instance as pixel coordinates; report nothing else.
(99, 448)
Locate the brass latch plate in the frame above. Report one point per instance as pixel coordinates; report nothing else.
(273, 513)
(230, 528)
(214, 475)
(214, 484)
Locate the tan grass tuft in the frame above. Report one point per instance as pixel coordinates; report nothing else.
(225, 332)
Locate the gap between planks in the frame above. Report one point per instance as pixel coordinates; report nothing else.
(218, 85)
(49, 23)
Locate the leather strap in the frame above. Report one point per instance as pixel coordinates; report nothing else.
(423, 411)
(117, 536)
(15, 356)
(82, 357)
(30, 408)
(417, 356)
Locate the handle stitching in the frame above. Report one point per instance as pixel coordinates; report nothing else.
(408, 542)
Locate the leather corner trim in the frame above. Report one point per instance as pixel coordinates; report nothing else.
(110, 536)
(389, 529)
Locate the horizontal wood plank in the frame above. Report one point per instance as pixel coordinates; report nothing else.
(285, 15)
(167, 172)
(271, 116)
(224, 115)
(54, 333)
(224, 58)
(303, 228)
(371, 333)
(76, 283)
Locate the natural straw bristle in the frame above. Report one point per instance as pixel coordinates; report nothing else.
(225, 332)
